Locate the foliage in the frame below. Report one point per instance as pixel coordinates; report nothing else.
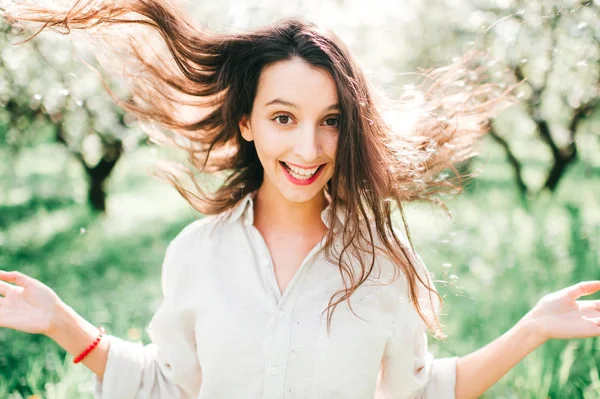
(556, 48)
(491, 265)
(493, 261)
(50, 96)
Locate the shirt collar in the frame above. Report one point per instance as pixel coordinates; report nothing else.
(244, 211)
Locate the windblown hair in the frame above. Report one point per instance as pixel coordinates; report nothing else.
(213, 78)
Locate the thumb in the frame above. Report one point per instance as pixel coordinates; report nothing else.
(18, 278)
(582, 288)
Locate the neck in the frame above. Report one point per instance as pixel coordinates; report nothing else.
(278, 213)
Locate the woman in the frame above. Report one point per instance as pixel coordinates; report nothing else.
(300, 224)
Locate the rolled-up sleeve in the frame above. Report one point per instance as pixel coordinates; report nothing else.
(408, 369)
(168, 367)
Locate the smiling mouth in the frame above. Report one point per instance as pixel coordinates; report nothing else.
(301, 173)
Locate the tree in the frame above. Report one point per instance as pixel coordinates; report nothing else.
(46, 86)
(552, 46)
(556, 49)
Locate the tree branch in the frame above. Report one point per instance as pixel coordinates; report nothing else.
(513, 161)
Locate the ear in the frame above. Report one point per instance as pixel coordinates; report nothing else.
(245, 128)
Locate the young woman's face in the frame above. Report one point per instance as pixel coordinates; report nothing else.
(294, 125)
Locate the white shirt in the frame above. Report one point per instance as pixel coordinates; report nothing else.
(225, 331)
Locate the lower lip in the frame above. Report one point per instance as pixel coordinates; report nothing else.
(302, 182)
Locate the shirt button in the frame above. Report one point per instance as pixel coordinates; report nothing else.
(274, 370)
(280, 314)
(266, 262)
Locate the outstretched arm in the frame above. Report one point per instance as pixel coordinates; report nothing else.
(479, 370)
(557, 315)
(166, 368)
(32, 307)
(74, 334)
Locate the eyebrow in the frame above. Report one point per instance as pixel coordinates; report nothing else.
(289, 104)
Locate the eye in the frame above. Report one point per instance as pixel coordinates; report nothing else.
(336, 121)
(284, 121)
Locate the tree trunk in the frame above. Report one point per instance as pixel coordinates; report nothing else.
(96, 195)
(558, 169)
(98, 175)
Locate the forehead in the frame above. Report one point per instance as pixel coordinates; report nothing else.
(297, 81)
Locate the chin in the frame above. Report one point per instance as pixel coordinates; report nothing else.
(302, 194)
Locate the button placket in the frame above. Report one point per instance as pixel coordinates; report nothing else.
(277, 341)
(277, 357)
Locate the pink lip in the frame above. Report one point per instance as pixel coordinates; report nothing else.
(302, 182)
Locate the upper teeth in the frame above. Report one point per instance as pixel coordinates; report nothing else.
(302, 171)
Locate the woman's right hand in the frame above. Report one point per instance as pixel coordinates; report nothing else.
(27, 306)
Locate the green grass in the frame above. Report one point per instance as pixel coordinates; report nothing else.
(96, 265)
(506, 259)
(108, 268)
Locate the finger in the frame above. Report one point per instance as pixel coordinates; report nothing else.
(593, 305)
(592, 326)
(582, 288)
(18, 278)
(5, 288)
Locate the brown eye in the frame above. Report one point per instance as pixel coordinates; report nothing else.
(336, 122)
(282, 121)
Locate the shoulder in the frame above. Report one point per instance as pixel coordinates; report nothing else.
(386, 259)
(197, 232)
(420, 268)
(186, 250)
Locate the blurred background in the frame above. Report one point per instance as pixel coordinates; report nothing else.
(79, 211)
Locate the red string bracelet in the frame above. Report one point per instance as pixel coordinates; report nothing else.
(90, 348)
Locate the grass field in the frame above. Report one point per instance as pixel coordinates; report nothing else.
(108, 269)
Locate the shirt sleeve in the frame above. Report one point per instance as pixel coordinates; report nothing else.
(408, 369)
(168, 367)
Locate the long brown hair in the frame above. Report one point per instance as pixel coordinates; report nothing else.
(378, 166)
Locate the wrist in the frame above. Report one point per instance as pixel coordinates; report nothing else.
(75, 335)
(532, 330)
(61, 320)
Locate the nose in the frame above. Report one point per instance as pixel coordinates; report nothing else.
(307, 145)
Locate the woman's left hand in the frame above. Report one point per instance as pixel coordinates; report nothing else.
(561, 315)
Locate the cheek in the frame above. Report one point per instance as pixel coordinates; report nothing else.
(330, 145)
(269, 143)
